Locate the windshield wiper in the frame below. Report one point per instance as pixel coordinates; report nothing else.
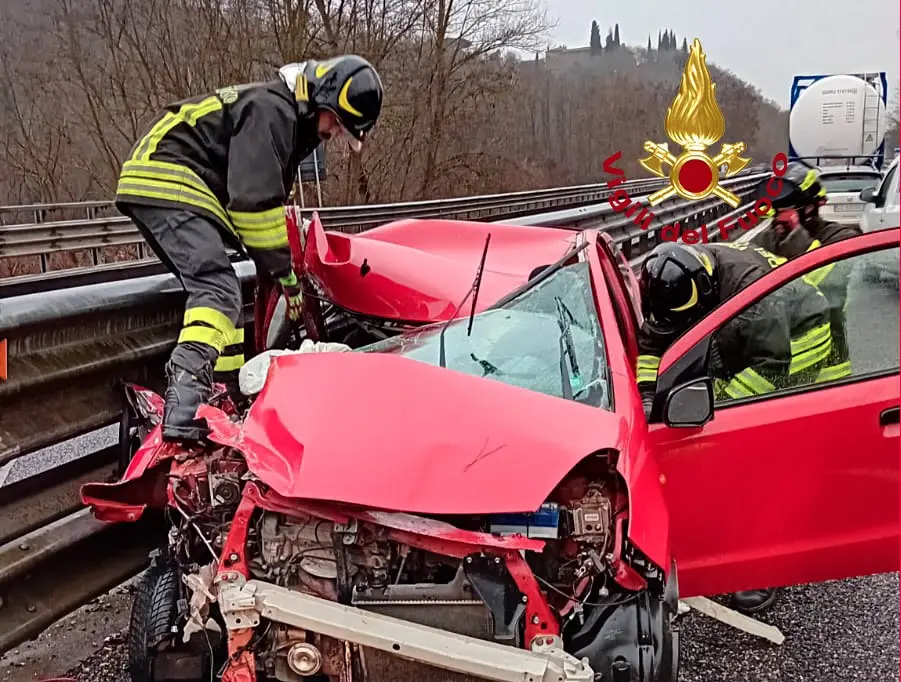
(473, 290)
(567, 348)
(477, 285)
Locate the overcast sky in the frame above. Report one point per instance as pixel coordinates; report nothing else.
(765, 43)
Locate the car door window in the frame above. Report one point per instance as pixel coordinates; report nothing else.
(833, 325)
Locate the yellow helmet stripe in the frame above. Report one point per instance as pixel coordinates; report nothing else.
(344, 104)
(691, 301)
(325, 67)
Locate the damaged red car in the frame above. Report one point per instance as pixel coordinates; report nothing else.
(446, 472)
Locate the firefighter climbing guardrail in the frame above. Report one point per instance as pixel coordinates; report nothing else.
(70, 348)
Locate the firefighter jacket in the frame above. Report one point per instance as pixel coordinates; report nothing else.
(231, 156)
(831, 279)
(772, 343)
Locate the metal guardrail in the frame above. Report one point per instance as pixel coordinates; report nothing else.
(96, 233)
(69, 353)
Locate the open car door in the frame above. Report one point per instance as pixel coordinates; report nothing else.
(800, 484)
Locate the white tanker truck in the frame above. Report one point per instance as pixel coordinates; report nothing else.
(838, 120)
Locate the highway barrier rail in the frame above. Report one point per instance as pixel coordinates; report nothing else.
(72, 342)
(104, 245)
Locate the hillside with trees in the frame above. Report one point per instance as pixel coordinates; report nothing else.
(82, 79)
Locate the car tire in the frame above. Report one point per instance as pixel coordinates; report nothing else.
(153, 624)
(152, 611)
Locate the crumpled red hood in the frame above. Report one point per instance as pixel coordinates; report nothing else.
(418, 270)
(384, 431)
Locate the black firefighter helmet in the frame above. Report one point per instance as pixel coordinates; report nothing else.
(800, 187)
(350, 88)
(679, 284)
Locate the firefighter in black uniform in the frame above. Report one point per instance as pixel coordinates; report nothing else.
(781, 340)
(216, 170)
(796, 227)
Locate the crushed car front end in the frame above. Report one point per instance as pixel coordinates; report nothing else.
(452, 503)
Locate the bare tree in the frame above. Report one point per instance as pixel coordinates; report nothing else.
(82, 79)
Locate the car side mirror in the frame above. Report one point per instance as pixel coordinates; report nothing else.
(867, 195)
(689, 405)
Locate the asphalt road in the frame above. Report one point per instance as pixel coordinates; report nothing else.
(843, 631)
(846, 630)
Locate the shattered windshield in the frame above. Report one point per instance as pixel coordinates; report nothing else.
(547, 339)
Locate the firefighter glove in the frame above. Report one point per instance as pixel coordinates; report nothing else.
(293, 296)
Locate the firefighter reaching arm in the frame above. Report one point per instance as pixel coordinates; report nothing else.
(751, 355)
(256, 187)
(797, 227)
(678, 287)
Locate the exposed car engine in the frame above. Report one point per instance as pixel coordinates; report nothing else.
(357, 564)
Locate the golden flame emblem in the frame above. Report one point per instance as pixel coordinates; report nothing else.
(694, 121)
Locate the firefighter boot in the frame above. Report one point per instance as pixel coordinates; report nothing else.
(753, 601)
(190, 376)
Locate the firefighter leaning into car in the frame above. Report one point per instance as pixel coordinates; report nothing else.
(796, 227)
(215, 171)
(781, 340)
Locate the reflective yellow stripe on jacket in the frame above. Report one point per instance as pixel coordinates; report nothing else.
(187, 113)
(262, 230)
(816, 277)
(169, 182)
(646, 369)
(747, 383)
(810, 348)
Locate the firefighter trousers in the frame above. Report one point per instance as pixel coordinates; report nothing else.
(192, 248)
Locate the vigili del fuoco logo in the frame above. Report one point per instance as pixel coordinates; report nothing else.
(695, 122)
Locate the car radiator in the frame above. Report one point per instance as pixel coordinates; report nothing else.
(461, 616)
